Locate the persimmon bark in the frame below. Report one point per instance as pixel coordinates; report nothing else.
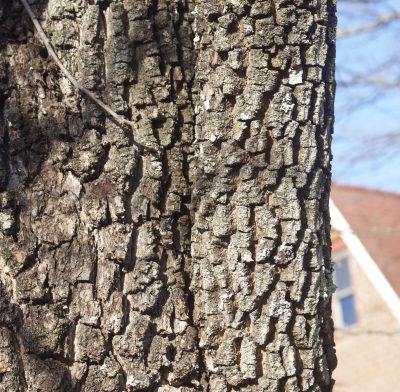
(191, 251)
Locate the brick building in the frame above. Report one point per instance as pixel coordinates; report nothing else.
(366, 305)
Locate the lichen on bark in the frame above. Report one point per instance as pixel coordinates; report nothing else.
(191, 251)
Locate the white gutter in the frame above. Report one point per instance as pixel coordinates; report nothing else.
(365, 260)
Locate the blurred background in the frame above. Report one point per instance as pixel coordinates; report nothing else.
(365, 220)
(366, 144)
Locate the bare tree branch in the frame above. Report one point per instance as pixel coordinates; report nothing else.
(120, 119)
(380, 22)
(383, 83)
(369, 82)
(376, 147)
(392, 136)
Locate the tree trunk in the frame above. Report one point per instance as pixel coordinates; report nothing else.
(190, 252)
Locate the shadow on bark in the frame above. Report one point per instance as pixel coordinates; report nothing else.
(34, 123)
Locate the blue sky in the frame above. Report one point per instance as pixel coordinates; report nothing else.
(363, 155)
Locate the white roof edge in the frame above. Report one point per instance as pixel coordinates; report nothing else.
(365, 260)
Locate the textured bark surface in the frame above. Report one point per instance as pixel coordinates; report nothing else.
(192, 252)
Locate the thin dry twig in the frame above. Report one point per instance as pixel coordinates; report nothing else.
(120, 119)
(382, 21)
(383, 83)
(369, 83)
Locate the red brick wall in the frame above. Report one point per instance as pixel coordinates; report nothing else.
(366, 362)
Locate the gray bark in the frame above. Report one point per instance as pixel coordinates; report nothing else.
(190, 252)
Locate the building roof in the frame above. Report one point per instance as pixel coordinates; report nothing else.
(374, 216)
